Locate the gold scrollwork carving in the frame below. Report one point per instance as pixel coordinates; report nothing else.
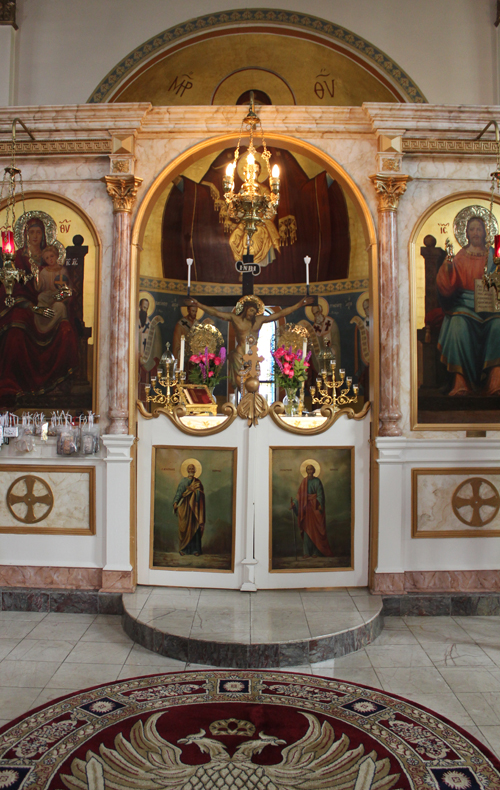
(175, 415)
(122, 191)
(120, 166)
(252, 407)
(277, 410)
(389, 190)
(29, 499)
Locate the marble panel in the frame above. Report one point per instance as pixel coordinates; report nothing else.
(426, 605)
(117, 581)
(293, 654)
(452, 581)
(321, 649)
(71, 489)
(436, 513)
(218, 654)
(392, 607)
(109, 603)
(46, 576)
(85, 603)
(263, 656)
(25, 601)
(389, 583)
(171, 646)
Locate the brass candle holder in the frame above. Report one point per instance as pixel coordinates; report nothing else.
(167, 386)
(330, 392)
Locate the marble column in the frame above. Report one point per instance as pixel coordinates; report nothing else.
(389, 189)
(123, 192)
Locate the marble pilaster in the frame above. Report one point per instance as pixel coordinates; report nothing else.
(123, 192)
(389, 189)
(117, 575)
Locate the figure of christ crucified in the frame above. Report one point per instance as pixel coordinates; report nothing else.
(247, 319)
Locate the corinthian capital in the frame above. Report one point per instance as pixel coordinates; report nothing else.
(122, 191)
(389, 189)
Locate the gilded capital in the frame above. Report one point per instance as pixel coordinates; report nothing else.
(122, 191)
(389, 189)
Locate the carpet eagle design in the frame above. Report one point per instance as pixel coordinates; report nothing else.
(239, 730)
(316, 762)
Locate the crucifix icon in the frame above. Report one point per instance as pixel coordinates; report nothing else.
(254, 362)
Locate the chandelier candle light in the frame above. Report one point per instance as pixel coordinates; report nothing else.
(250, 205)
(307, 261)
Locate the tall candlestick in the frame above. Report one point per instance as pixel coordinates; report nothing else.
(189, 262)
(307, 261)
(183, 344)
(304, 349)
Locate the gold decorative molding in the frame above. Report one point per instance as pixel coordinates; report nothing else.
(122, 191)
(252, 408)
(120, 166)
(277, 411)
(483, 491)
(179, 412)
(386, 144)
(393, 165)
(425, 146)
(46, 500)
(56, 147)
(8, 13)
(389, 189)
(198, 288)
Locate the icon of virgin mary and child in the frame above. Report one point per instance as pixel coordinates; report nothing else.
(38, 333)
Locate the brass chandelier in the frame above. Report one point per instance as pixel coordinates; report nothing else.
(12, 180)
(492, 279)
(251, 205)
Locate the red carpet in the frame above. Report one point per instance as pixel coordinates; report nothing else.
(230, 729)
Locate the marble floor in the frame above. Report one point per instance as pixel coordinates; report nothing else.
(449, 664)
(264, 616)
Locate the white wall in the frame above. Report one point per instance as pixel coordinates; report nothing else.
(67, 46)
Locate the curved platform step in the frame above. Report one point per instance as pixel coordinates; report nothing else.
(269, 628)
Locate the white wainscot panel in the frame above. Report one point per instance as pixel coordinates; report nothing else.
(454, 461)
(252, 526)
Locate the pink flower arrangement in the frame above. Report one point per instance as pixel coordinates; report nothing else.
(207, 368)
(290, 369)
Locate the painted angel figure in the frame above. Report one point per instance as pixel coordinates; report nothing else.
(362, 341)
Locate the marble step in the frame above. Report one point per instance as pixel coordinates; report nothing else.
(269, 628)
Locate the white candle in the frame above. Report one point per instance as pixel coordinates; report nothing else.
(307, 261)
(183, 343)
(304, 349)
(189, 262)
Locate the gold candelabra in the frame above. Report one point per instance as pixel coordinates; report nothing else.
(167, 386)
(326, 381)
